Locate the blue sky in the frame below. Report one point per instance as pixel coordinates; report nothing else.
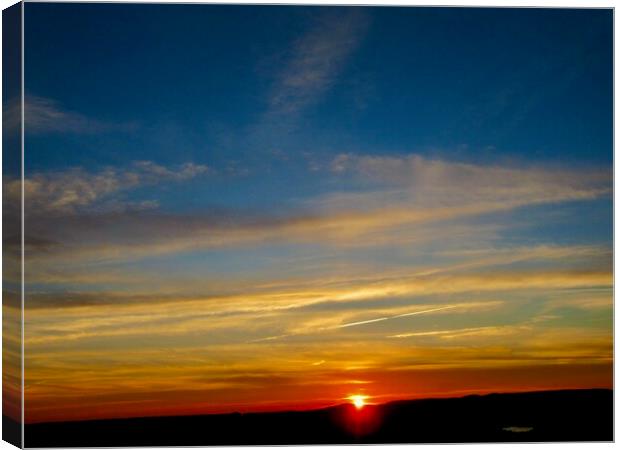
(172, 84)
(321, 175)
(481, 85)
(414, 79)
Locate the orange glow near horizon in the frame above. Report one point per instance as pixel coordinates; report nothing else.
(387, 387)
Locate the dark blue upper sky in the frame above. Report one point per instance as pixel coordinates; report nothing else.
(224, 86)
(476, 83)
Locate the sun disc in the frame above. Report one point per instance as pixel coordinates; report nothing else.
(358, 400)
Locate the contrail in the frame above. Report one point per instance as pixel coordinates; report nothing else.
(380, 319)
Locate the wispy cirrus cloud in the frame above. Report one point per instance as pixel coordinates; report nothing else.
(44, 115)
(415, 179)
(350, 292)
(441, 304)
(417, 203)
(211, 357)
(77, 190)
(315, 61)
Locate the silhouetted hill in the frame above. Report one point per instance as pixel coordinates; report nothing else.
(576, 415)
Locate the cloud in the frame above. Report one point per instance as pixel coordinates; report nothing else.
(189, 317)
(404, 200)
(193, 356)
(315, 61)
(78, 190)
(414, 179)
(484, 332)
(44, 115)
(352, 293)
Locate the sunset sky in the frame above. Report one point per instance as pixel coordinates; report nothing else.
(256, 208)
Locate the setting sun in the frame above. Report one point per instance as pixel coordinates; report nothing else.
(358, 400)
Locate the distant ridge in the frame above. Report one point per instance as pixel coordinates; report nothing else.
(539, 416)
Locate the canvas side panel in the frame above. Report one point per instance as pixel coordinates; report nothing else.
(12, 225)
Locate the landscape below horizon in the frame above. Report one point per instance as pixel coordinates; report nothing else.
(545, 416)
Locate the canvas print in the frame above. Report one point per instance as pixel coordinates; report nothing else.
(239, 224)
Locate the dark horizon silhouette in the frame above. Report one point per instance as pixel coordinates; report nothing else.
(540, 416)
